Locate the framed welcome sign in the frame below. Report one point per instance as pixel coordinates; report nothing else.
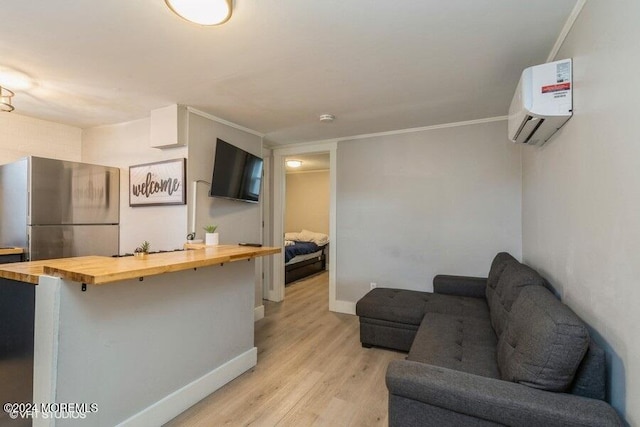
(159, 183)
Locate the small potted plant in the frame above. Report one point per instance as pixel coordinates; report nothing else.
(211, 237)
(142, 251)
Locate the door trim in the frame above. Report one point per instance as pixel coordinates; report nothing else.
(276, 291)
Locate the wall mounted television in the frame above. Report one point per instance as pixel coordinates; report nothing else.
(237, 174)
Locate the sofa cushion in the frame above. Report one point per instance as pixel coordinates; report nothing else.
(405, 306)
(497, 267)
(543, 342)
(393, 305)
(513, 279)
(461, 343)
(590, 379)
(457, 306)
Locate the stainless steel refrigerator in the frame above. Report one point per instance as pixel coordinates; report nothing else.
(53, 209)
(59, 209)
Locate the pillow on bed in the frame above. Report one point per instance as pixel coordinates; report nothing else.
(292, 236)
(319, 239)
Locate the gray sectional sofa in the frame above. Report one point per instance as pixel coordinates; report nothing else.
(501, 350)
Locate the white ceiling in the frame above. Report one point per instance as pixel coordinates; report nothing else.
(278, 64)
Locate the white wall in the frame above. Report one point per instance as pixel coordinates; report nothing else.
(307, 201)
(22, 136)
(124, 145)
(581, 193)
(413, 205)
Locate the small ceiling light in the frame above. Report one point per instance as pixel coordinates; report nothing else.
(294, 163)
(203, 12)
(5, 100)
(327, 118)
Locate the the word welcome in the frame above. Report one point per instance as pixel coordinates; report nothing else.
(149, 187)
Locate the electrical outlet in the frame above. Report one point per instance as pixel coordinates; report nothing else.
(373, 285)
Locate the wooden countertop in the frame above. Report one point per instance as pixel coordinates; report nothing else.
(97, 270)
(11, 251)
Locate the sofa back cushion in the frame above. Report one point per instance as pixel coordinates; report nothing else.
(590, 380)
(497, 267)
(543, 342)
(513, 279)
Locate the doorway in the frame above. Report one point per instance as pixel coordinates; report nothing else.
(306, 216)
(276, 290)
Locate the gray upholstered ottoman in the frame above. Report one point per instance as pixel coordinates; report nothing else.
(390, 317)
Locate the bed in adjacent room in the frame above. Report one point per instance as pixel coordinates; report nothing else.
(305, 254)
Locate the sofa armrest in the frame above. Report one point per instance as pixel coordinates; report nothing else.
(494, 400)
(463, 286)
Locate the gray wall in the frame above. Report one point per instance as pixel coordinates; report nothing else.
(413, 205)
(581, 193)
(129, 344)
(166, 227)
(236, 221)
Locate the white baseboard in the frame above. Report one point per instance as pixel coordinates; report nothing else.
(180, 400)
(258, 313)
(346, 307)
(272, 296)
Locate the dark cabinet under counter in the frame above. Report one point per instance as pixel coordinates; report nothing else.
(5, 259)
(11, 254)
(17, 311)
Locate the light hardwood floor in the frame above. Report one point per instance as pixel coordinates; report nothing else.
(311, 370)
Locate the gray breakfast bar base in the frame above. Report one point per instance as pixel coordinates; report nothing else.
(493, 351)
(140, 349)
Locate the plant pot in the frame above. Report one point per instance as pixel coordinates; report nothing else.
(211, 239)
(140, 255)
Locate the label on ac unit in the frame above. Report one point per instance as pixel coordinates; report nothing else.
(563, 78)
(563, 72)
(552, 87)
(556, 88)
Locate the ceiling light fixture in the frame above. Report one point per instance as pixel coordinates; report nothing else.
(203, 12)
(327, 118)
(5, 100)
(294, 163)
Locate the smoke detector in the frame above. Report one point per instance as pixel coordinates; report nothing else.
(327, 118)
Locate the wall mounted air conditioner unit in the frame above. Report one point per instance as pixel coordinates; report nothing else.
(542, 102)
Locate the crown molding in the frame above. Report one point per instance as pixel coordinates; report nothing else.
(224, 122)
(565, 30)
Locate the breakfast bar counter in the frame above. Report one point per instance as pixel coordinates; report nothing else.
(11, 251)
(133, 341)
(11, 254)
(96, 270)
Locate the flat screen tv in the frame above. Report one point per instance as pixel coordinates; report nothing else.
(237, 175)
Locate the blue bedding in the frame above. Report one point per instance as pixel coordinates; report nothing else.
(299, 248)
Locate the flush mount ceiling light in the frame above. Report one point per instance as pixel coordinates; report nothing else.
(5, 100)
(327, 118)
(203, 12)
(294, 163)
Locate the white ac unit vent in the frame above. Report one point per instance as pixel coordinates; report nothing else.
(543, 102)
